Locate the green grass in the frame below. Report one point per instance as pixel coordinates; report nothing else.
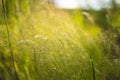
(52, 44)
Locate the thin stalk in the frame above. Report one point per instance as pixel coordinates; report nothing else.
(35, 64)
(93, 68)
(5, 70)
(34, 53)
(8, 36)
(35, 60)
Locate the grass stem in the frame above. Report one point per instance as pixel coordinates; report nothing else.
(8, 36)
(93, 69)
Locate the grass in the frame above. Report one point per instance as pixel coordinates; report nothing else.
(53, 44)
(8, 37)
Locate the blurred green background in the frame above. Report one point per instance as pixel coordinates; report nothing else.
(41, 42)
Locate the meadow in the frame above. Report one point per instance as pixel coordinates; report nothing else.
(41, 42)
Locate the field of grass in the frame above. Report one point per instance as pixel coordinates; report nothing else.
(56, 44)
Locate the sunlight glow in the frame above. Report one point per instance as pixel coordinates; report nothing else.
(68, 4)
(84, 4)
